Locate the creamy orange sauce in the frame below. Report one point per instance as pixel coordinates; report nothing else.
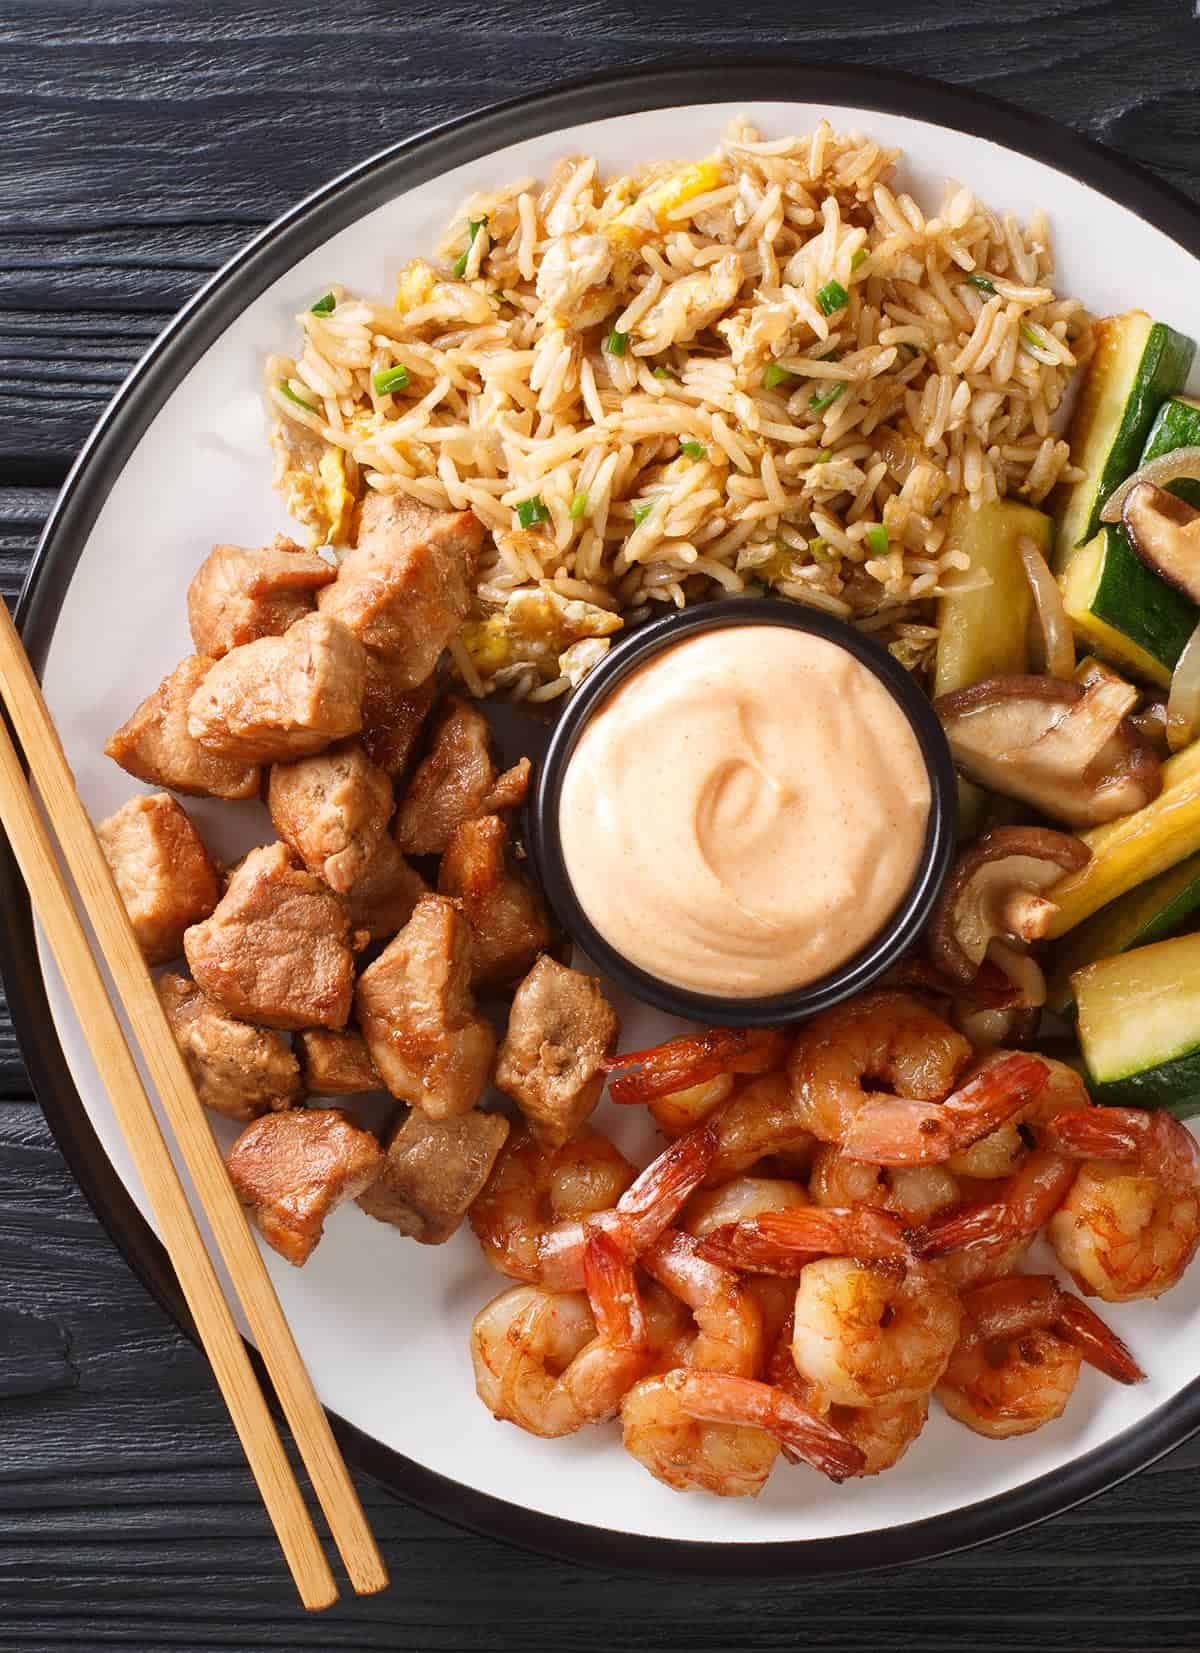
(745, 812)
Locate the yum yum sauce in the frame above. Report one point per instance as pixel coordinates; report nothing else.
(745, 812)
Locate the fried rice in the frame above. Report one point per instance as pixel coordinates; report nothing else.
(763, 371)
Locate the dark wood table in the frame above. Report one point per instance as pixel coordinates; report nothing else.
(140, 145)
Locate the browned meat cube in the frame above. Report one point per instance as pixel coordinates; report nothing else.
(509, 927)
(239, 595)
(433, 1171)
(418, 1017)
(333, 809)
(406, 587)
(292, 1169)
(155, 744)
(560, 1029)
(238, 1070)
(392, 716)
(282, 697)
(382, 898)
(162, 870)
(338, 1064)
(276, 949)
(454, 782)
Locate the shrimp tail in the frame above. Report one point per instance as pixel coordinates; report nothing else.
(1098, 1343)
(611, 1284)
(744, 1248)
(1155, 1139)
(715, 1397)
(1029, 1201)
(650, 1203)
(897, 1131)
(693, 1059)
(971, 1225)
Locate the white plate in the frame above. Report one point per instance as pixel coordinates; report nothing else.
(181, 462)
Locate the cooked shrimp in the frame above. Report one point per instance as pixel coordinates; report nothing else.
(1003, 1151)
(913, 1192)
(511, 1215)
(691, 1060)
(991, 1234)
(871, 1323)
(883, 1432)
(742, 1198)
(729, 1331)
(761, 1121)
(551, 1362)
(711, 1432)
(898, 1131)
(677, 1112)
(885, 1037)
(1018, 1359)
(670, 1329)
(1131, 1222)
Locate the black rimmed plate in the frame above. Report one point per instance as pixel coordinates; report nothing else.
(179, 462)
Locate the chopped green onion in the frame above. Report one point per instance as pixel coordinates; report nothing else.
(859, 259)
(640, 513)
(325, 306)
(474, 225)
(693, 449)
(578, 506)
(1034, 337)
(389, 379)
(292, 397)
(663, 373)
(615, 343)
(818, 549)
(984, 283)
(821, 399)
(823, 458)
(833, 296)
(531, 511)
(877, 540)
(774, 375)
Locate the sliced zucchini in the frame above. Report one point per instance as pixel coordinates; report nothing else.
(1177, 425)
(1139, 1026)
(1117, 607)
(983, 632)
(1138, 363)
(1136, 848)
(1147, 914)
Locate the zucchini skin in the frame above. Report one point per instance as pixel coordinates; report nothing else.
(1173, 1085)
(1133, 600)
(1176, 426)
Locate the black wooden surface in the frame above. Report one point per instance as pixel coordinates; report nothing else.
(140, 144)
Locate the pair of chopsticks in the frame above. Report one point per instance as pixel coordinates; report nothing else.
(100, 900)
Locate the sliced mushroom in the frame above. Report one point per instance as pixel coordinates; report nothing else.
(1068, 750)
(1015, 1023)
(994, 892)
(1165, 532)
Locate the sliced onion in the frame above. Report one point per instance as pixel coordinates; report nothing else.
(1058, 644)
(1167, 468)
(1183, 703)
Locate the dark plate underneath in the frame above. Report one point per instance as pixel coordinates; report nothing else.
(347, 198)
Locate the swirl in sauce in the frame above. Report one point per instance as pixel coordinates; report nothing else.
(745, 812)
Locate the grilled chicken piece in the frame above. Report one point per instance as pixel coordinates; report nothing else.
(382, 898)
(455, 781)
(393, 716)
(292, 1169)
(162, 870)
(337, 1064)
(282, 697)
(333, 809)
(239, 595)
(433, 1171)
(406, 587)
(238, 1070)
(560, 1029)
(276, 950)
(509, 926)
(155, 744)
(417, 1015)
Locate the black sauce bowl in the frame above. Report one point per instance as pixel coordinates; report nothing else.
(857, 972)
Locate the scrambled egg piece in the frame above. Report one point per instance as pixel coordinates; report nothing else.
(534, 625)
(414, 285)
(647, 215)
(311, 475)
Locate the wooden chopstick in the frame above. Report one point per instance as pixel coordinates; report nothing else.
(118, 945)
